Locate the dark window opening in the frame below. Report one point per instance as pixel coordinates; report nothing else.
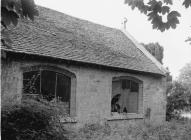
(126, 84)
(134, 87)
(31, 82)
(63, 87)
(125, 96)
(50, 84)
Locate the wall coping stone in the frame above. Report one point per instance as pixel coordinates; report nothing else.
(125, 116)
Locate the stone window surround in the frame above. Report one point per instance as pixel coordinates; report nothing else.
(64, 72)
(126, 116)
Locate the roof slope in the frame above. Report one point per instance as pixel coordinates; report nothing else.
(58, 35)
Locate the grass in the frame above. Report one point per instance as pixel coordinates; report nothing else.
(173, 130)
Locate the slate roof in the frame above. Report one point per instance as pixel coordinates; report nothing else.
(58, 35)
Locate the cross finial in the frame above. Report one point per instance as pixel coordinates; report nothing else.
(124, 22)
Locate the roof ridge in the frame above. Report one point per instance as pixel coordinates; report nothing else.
(77, 18)
(145, 52)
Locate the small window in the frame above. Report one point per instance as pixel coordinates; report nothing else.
(125, 96)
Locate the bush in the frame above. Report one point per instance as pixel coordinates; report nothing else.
(29, 120)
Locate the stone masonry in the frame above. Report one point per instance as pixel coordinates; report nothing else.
(93, 88)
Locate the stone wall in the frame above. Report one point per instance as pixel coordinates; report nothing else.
(11, 81)
(93, 90)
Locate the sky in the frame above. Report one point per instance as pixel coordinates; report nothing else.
(111, 13)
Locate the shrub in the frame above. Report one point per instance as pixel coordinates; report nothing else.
(29, 120)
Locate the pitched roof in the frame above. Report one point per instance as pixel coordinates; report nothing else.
(58, 35)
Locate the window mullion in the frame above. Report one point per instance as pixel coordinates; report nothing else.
(40, 81)
(56, 84)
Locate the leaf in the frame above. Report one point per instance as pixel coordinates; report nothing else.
(139, 4)
(168, 2)
(9, 17)
(159, 22)
(165, 9)
(173, 25)
(188, 40)
(155, 6)
(5, 16)
(151, 15)
(5, 3)
(174, 14)
(29, 9)
(187, 3)
(163, 27)
(126, 1)
(10, 5)
(156, 21)
(18, 7)
(167, 25)
(173, 19)
(14, 17)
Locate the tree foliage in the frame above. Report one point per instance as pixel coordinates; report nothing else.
(11, 11)
(179, 94)
(156, 50)
(185, 75)
(156, 10)
(178, 100)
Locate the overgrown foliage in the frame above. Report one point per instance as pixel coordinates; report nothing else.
(36, 120)
(31, 120)
(135, 131)
(155, 10)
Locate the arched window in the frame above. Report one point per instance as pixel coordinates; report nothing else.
(126, 95)
(50, 82)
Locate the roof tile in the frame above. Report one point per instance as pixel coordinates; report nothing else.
(58, 35)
